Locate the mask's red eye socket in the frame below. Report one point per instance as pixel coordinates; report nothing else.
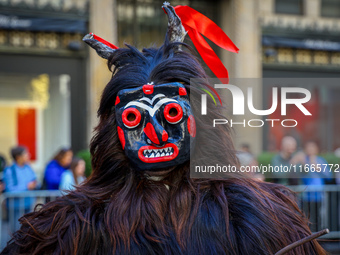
(131, 117)
(173, 113)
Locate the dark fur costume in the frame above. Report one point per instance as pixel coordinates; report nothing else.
(120, 210)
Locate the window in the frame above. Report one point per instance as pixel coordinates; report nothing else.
(289, 7)
(330, 8)
(142, 23)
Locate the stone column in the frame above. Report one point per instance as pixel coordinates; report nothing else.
(266, 6)
(312, 8)
(240, 20)
(103, 22)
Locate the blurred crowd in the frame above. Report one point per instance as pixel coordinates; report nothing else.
(306, 166)
(311, 168)
(63, 172)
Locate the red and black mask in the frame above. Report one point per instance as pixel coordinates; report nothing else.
(155, 125)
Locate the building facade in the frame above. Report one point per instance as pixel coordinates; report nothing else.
(277, 39)
(43, 88)
(287, 39)
(301, 39)
(50, 82)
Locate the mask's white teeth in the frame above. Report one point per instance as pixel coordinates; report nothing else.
(156, 153)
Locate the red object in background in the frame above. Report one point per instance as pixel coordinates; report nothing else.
(303, 129)
(26, 128)
(312, 106)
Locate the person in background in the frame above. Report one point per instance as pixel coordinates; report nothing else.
(55, 168)
(285, 158)
(337, 178)
(74, 176)
(19, 177)
(337, 173)
(3, 165)
(321, 175)
(316, 177)
(245, 148)
(246, 158)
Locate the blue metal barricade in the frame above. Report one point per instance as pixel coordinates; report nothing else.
(13, 205)
(321, 204)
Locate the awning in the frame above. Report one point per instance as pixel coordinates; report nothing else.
(306, 43)
(26, 23)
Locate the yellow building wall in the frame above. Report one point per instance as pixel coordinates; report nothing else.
(8, 130)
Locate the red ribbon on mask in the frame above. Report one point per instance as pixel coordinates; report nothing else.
(96, 37)
(196, 24)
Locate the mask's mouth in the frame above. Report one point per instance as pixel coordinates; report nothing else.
(152, 154)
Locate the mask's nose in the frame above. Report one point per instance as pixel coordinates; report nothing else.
(156, 133)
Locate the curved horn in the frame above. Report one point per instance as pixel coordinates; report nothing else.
(176, 31)
(102, 49)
